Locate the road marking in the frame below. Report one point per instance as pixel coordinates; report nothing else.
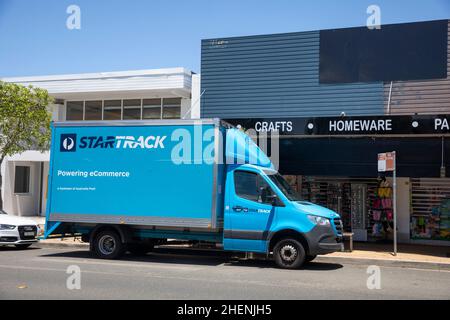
(149, 265)
(417, 269)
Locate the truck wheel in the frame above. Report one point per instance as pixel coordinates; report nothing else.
(140, 249)
(289, 254)
(108, 245)
(309, 258)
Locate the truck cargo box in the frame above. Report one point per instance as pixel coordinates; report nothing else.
(136, 173)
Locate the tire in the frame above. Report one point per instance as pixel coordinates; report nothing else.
(140, 249)
(309, 258)
(22, 246)
(108, 245)
(289, 254)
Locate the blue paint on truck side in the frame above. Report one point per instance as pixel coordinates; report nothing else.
(176, 179)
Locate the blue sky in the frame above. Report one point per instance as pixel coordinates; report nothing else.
(127, 35)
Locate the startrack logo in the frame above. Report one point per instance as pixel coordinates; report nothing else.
(69, 142)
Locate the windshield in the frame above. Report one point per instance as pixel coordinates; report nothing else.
(284, 186)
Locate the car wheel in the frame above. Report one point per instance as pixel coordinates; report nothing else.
(289, 254)
(108, 245)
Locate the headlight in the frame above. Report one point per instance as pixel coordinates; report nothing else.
(319, 220)
(7, 227)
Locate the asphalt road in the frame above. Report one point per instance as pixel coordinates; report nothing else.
(40, 273)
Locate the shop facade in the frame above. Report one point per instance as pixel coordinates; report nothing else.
(338, 169)
(337, 98)
(171, 93)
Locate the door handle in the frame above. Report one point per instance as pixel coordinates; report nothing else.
(239, 209)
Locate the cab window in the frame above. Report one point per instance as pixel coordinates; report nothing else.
(252, 186)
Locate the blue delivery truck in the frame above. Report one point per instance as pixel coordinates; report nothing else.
(126, 186)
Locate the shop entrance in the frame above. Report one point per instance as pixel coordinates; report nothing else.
(364, 204)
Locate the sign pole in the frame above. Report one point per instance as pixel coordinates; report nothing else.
(388, 162)
(394, 178)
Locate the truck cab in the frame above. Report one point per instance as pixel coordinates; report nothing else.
(262, 213)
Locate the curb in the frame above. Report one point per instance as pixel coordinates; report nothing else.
(324, 259)
(438, 266)
(43, 244)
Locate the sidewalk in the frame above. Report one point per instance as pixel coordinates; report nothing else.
(39, 220)
(413, 253)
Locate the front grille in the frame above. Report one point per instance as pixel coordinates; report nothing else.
(8, 239)
(27, 229)
(338, 225)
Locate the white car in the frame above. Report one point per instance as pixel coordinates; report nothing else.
(17, 231)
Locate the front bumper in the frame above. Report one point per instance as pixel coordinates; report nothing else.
(323, 240)
(16, 236)
(5, 243)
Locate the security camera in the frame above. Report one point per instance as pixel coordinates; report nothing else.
(342, 114)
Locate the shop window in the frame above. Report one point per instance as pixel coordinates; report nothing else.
(355, 199)
(74, 110)
(112, 110)
(151, 109)
(22, 179)
(171, 108)
(132, 109)
(93, 110)
(430, 198)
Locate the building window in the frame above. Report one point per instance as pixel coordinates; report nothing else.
(151, 109)
(132, 109)
(112, 110)
(126, 109)
(93, 110)
(74, 110)
(22, 179)
(171, 108)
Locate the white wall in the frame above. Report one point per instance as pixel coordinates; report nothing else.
(23, 204)
(45, 187)
(195, 112)
(185, 108)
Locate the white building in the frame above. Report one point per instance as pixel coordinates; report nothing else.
(142, 94)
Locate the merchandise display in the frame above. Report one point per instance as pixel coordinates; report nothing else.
(381, 212)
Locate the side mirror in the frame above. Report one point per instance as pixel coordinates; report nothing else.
(267, 196)
(273, 199)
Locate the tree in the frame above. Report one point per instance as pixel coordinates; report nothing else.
(24, 121)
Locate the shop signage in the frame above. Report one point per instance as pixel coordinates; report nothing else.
(386, 161)
(370, 125)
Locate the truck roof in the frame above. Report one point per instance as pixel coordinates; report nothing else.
(160, 122)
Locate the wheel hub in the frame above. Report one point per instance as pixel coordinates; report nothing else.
(288, 253)
(107, 244)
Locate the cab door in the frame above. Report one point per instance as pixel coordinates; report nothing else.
(249, 211)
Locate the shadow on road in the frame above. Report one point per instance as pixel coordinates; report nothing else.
(311, 266)
(11, 248)
(196, 257)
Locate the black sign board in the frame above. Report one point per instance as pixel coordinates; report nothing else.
(360, 125)
(407, 51)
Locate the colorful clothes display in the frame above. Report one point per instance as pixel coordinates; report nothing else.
(381, 210)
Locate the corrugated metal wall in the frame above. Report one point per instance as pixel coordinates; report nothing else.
(422, 97)
(276, 76)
